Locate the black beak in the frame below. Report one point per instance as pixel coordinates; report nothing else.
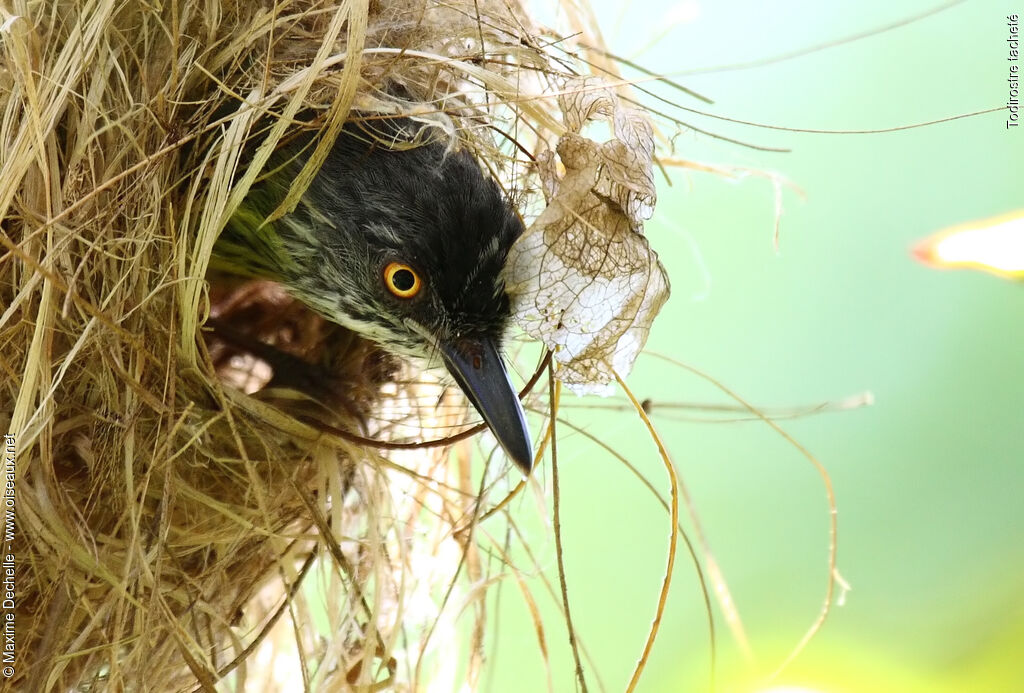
(479, 371)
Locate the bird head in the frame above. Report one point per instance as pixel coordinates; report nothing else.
(402, 241)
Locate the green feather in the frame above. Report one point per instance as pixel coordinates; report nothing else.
(249, 245)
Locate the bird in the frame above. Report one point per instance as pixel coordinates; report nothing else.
(402, 239)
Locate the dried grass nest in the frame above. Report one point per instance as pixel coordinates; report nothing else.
(165, 518)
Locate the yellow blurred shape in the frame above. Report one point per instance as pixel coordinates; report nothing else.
(993, 245)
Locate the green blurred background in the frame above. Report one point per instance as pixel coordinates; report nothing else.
(929, 480)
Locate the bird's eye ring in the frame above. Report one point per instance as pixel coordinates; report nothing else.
(402, 280)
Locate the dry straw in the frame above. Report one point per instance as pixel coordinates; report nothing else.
(166, 520)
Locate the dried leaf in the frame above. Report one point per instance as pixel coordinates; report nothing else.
(583, 278)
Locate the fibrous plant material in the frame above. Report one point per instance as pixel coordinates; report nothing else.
(173, 500)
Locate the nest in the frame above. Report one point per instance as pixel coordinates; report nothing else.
(171, 500)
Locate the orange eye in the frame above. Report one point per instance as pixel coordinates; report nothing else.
(402, 280)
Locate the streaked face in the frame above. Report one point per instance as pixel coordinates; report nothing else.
(415, 243)
(407, 249)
